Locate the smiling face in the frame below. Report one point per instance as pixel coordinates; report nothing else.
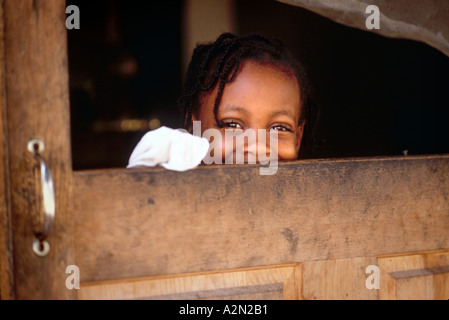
(260, 97)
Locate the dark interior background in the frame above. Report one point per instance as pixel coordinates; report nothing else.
(377, 96)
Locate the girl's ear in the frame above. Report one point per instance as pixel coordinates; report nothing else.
(299, 135)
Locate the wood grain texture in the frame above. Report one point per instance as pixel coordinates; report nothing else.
(341, 279)
(6, 261)
(37, 104)
(415, 276)
(148, 222)
(272, 282)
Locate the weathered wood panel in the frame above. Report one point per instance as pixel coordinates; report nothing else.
(417, 276)
(272, 283)
(37, 103)
(340, 279)
(148, 222)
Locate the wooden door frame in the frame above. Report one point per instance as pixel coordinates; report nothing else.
(35, 96)
(6, 265)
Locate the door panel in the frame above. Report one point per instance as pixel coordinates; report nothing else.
(271, 283)
(338, 279)
(150, 222)
(422, 276)
(158, 223)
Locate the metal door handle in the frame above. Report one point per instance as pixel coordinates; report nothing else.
(41, 247)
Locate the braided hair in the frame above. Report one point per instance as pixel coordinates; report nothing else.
(218, 63)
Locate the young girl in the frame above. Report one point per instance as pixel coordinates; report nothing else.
(249, 82)
(242, 85)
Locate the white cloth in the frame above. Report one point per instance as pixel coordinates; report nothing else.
(171, 148)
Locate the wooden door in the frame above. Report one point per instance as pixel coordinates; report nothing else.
(309, 232)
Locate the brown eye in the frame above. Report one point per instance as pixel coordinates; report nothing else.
(231, 125)
(280, 128)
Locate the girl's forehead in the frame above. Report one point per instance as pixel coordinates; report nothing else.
(252, 73)
(256, 72)
(259, 87)
(263, 81)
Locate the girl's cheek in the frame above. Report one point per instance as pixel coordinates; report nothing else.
(287, 151)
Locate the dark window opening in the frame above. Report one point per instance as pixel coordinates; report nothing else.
(377, 96)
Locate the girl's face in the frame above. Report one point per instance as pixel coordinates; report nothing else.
(260, 97)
